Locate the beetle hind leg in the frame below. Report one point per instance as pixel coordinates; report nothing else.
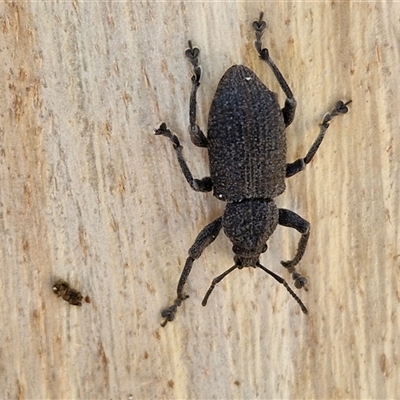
(292, 220)
(204, 239)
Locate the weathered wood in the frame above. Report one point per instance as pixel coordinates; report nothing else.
(90, 195)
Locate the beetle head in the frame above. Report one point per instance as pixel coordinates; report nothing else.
(249, 224)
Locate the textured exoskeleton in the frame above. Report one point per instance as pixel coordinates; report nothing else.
(246, 143)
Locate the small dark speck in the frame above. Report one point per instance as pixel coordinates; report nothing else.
(157, 335)
(87, 299)
(237, 383)
(62, 289)
(171, 384)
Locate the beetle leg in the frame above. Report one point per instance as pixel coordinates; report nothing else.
(200, 185)
(196, 134)
(204, 239)
(292, 220)
(289, 109)
(298, 165)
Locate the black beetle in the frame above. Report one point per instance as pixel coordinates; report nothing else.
(246, 144)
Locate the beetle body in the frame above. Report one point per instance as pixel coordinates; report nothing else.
(246, 143)
(246, 139)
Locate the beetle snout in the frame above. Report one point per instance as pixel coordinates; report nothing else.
(243, 262)
(247, 257)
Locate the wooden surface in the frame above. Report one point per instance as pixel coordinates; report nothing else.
(90, 195)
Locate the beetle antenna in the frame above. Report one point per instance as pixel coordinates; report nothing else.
(284, 283)
(277, 277)
(215, 281)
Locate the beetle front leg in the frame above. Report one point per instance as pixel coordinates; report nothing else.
(292, 220)
(204, 239)
(298, 165)
(196, 134)
(200, 185)
(289, 109)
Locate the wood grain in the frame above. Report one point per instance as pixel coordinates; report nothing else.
(89, 194)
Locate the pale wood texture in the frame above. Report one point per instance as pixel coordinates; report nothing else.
(90, 195)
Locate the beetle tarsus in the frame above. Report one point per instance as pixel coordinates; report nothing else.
(192, 53)
(259, 27)
(164, 131)
(169, 313)
(340, 108)
(196, 134)
(300, 281)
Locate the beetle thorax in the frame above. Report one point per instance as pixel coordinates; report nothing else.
(249, 224)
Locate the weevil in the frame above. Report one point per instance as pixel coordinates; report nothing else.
(246, 145)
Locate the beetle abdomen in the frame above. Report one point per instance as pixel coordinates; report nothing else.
(247, 144)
